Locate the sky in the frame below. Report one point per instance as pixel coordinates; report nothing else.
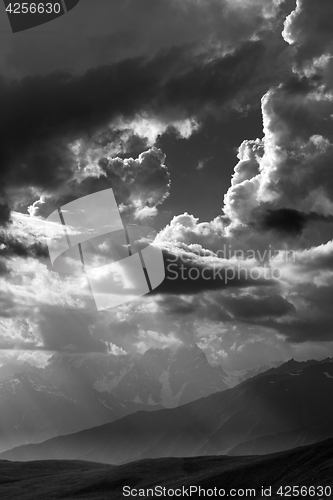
(212, 123)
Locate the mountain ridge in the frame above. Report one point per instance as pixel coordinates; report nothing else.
(297, 405)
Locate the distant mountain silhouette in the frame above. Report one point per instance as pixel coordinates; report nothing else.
(77, 392)
(306, 466)
(292, 366)
(262, 415)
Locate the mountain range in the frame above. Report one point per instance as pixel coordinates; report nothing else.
(270, 412)
(78, 392)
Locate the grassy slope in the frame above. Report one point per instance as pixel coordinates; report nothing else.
(311, 465)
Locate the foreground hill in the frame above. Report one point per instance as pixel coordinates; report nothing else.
(306, 466)
(263, 415)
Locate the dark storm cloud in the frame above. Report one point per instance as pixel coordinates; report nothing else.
(175, 305)
(313, 260)
(3, 268)
(310, 329)
(259, 308)
(9, 246)
(250, 306)
(313, 322)
(41, 115)
(4, 214)
(184, 276)
(102, 32)
(301, 85)
(290, 221)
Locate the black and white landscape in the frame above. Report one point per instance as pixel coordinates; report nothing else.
(210, 122)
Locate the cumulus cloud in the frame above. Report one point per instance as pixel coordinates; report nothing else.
(185, 231)
(154, 340)
(308, 30)
(139, 184)
(143, 183)
(293, 168)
